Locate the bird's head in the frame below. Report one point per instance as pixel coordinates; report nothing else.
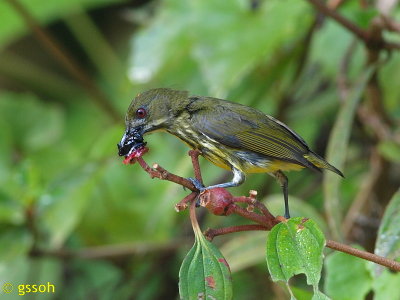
(150, 111)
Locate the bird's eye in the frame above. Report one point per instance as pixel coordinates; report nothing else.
(141, 113)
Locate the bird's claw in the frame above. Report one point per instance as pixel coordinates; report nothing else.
(197, 184)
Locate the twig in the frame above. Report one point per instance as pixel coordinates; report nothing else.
(194, 155)
(251, 200)
(390, 24)
(370, 38)
(184, 203)
(159, 172)
(334, 4)
(210, 233)
(391, 264)
(66, 60)
(360, 33)
(265, 220)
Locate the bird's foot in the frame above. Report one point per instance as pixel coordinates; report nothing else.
(198, 185)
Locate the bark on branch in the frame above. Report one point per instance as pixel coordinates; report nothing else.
(220, 202)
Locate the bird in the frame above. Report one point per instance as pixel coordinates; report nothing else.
(232, 136)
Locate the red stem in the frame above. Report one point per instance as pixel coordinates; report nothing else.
(194, 155)
(211, 233)
(391, 264)
(265, 221)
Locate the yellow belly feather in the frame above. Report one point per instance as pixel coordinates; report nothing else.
(274, 166)
(269, 166)
(222, 157)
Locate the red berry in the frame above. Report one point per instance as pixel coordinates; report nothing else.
(139, 152)
(217, 201)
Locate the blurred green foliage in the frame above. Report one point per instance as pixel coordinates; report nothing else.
(73, 215)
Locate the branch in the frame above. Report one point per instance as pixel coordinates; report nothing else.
(194, 154)
(357, 31)
(383, 261)
(159, 172)
(390, 25)
(220, 202)
(372, 39)
(391, 264)
(211, 233)
(334, 4)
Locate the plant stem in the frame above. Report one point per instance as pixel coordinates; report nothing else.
(391, 264)
(210, 233)
(265, 220)
(371, 40)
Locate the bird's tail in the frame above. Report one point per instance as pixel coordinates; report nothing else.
(321, 163)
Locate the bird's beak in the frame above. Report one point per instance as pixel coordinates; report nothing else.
(131, 140)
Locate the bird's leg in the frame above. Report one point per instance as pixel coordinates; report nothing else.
(238, 179)
(283, 181)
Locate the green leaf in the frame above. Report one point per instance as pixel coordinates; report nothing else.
(26, 270)
(390, 150)
(230, 23)
(319, 296)
(184, 271)
(64, 207)
(204, 273)
(146, 59)
(336, 152)
(362, 17)
(33, 124)
(301, 293)
(103, 276)
(14, 243)
(295, 247)
(298, 208)
(258, 34)
(391, 89)
(24, 186)
(386, 286)
(388, 242)
(347, 277)
(105, 144)
(10, 211)
(43, 11)
(244, 250)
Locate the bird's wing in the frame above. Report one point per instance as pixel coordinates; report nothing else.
(250, 130)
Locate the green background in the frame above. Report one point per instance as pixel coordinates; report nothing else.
(73, 215)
